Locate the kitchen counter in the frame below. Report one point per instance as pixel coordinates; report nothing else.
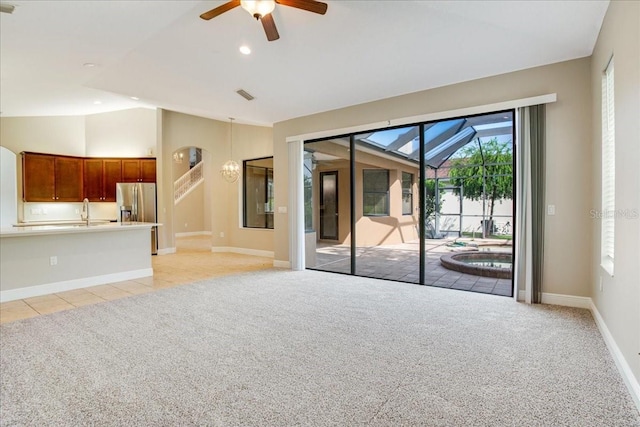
(44, 259)
(65, 227)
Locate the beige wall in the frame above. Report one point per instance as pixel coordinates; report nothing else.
(126, 133)
(249, 142)
(189, 212)
(57, 135)
(619, 300)
(568, 153)
(370, 231)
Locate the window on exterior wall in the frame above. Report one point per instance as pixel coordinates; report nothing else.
(407, 193)
(258, 193)
(375, 186)
(608, 170)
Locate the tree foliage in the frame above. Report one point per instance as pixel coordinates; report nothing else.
(492, 166)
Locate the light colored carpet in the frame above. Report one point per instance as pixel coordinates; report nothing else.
(282, 348)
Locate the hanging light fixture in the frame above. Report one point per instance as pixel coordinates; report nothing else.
(258, 8)
(230, 170)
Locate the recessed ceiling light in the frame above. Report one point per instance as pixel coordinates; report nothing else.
(89, 64)
(244, 49)
(97, 102)
(135, 98)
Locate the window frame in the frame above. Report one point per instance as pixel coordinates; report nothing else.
(407, 191)
(268, 193)
(385, 194)
(608, 170)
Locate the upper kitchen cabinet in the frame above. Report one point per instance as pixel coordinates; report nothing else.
(138, 170)
(48, 178)
(100, 178)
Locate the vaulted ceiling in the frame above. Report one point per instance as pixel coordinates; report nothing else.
(162, 53)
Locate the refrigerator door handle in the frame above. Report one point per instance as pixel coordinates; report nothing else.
(134, 204)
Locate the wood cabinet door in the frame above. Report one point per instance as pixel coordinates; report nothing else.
(69, 179)
(130, 170)
(148, 170)
(38, 178)
(93, 180)
(112, 175)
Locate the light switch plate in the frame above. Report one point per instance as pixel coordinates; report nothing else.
(282, 209)
(551, 209)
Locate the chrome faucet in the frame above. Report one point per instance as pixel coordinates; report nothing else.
(85, 211)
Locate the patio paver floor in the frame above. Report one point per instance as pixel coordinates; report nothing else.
(401, 263)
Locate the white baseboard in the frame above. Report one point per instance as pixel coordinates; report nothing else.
(623, 367)
(281, 264)
(560, 299)
(68, 285)
(243, 251)
(193, 233)
(566, 300)
(166, 251)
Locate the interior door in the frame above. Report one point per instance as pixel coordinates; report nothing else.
(329, 205)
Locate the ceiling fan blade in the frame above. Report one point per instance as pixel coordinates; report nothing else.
(309, 5)
(269, 26)
(220, 10)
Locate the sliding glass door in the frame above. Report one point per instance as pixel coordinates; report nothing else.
(415, 203)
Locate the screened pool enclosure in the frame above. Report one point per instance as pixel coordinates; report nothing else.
(389, 203)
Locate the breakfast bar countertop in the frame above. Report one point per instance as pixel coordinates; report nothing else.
(63, 227)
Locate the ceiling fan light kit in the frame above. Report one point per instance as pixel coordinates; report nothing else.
(261, 10)
(258, 8)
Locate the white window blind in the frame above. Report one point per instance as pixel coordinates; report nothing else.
(608, 169)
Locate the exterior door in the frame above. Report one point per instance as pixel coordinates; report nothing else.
(329, 205)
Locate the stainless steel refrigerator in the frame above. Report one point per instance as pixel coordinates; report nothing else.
(136, 202)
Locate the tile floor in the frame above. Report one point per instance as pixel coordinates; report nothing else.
(192, 261)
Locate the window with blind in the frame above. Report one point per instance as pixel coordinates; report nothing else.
(608, 170)
(375, 186)
(407, 193)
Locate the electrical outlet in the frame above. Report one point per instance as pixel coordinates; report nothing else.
(77, 211)
(551, 210)
(53, 260)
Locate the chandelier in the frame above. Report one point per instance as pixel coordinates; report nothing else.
(230, 170)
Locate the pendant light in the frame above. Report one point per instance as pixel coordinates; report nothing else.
(230, 170)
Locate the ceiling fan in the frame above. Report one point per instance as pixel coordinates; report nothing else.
(261, 10)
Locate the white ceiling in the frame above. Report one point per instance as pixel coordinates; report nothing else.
(360, 51)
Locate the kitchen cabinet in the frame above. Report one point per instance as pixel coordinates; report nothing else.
(138, 170)
(100, 178)
(48, 178)
(55, 178)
